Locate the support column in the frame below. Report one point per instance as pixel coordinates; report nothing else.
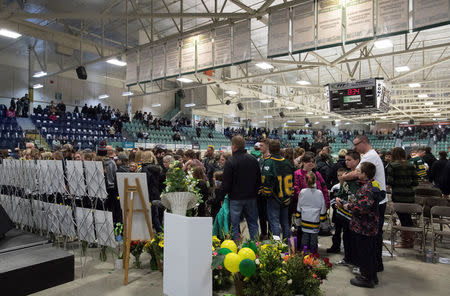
(30, 77)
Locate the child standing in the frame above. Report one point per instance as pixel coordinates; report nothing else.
(312, 210)
(365, 225)
(337, 220)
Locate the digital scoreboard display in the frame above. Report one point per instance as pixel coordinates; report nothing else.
(356, 96)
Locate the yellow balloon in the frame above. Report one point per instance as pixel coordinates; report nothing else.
(247, 253)
(232, 262)
(229, 244)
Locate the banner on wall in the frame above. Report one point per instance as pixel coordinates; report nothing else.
(145, 65)
(329, 23)
(188, 55)
(303, 27)
(204, 51)
(392, 16)
(172, 58)
(278, 36)
(241, 42)
(428, 13)
(131, 73)
(222, 46)
(358, 20)
(158, 62)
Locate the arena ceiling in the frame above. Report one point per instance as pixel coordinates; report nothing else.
(96, 30)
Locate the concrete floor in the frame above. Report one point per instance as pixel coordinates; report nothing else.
(406, 274)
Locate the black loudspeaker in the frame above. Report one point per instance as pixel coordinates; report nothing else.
(181, 94)
(240, 106)
(81, 73)
(374, 122)
(306, 120)
(411, 121)
(282, 114)
(228, 102)
(333, 123)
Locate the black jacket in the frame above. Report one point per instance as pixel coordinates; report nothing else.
(241, 176)
(154, 174)
(429, 159)
(333, 172)
(444, 180)
(437, 170)
(324, 168)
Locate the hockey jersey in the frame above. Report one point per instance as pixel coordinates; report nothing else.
(311, 208)
(277, 179)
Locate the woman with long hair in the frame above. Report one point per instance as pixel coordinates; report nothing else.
(199, 174)
(402, 177)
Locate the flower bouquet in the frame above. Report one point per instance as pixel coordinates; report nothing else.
(155, 248)
(136, 248)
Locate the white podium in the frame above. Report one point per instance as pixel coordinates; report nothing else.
(187, 256)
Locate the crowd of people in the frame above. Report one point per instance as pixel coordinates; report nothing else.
(18, 107)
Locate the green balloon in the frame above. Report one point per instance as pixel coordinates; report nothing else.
(247, 267)
(224, 251)
(251, 245)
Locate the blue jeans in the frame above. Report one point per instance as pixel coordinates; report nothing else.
(278, 214)
(250, 209)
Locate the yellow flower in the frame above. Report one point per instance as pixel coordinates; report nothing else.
(161, 244)
(213, 248)
(152, 240)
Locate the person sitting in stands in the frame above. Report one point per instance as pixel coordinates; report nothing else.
(11, 112)
(39, 110)
(176, 137)
(53, 117)
(210, 135)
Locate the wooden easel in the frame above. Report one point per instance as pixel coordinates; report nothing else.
(128, 211)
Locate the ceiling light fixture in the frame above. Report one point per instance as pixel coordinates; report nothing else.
(429, 103)
(116, 62)
(264, 66)
(9, 34)
(422, 96)
(39, 74)
(347, 123)
(262, 121)
(317, 122)
(325, 116)
(189, 105)
(383, 117)
(309, 113)
(437, 114)
(303, 82)
(414, 85)
(267, 116)
(290, 107)
(127, 94)
(291, 121)
(265, 101)
(338, 120)
(38, 86)
(104, 96)
(383, 43)
(433, 109)
(402, 69)
(184, 80)
(393, 121)
(231, 92)
(156, 105)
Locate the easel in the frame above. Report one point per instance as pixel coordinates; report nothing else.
(128, 211)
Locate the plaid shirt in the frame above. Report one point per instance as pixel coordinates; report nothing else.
(365, 210)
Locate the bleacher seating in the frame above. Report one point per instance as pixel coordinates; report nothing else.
(442, 145)
(218, 139)
(162, 136)
(11, 134)
(84, 132)
(296, 139)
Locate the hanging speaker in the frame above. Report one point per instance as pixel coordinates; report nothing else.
(81, 73)
(374, 122)
(228, 102)
(333, 123)
(306, 120)
(181, 94)
(240, 106)
(411, 121)
(282, 114)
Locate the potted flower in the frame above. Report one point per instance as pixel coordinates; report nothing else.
(181, 193)
(136, 248)
(118, 232)
(155, 248)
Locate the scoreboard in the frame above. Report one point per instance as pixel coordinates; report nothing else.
(356, 97)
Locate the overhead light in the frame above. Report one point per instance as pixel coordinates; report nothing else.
(434, 119)
(433, 109)
(383, 43)
(9, 34)
(264, 66)
(265, 101)
(402, 69)
(267, 116)
(231, 92)
(189, 105)
(127, 94)
(262, 121)
(414, 85)
(39, 74)
(393, 121)
(156, 105)
(317, 122)
(291, 121)
(38, 86)
(185, 80)
(437, 114)
(304, 82)
(347, 123)
(310, 113)
(423, 96)
(338, 120)
(429, 103)
(383, 117)
(101, 97)
(290, 107)
(326, 116)
(116, 62)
